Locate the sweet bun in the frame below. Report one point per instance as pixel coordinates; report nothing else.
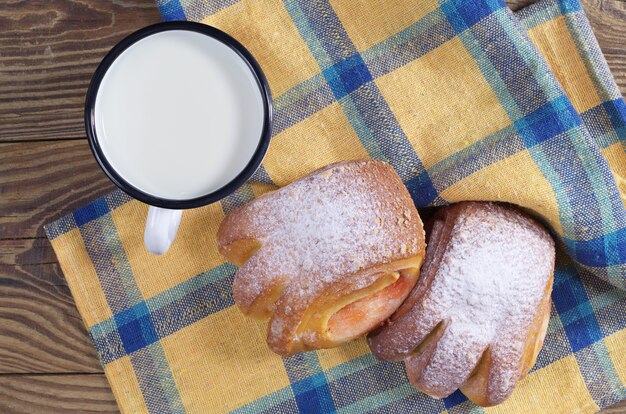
(327, 258)
(477, 318)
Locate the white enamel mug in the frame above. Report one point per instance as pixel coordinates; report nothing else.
(171, 132)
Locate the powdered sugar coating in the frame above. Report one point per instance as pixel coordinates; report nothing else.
(320, 231)
(485, 288)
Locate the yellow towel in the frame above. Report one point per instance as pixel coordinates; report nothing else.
(458, 99)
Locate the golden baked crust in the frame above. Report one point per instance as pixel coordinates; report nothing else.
(477, 318)
(326, 258)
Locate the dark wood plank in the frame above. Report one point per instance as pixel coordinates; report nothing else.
(619, 408)
(28, 252)
(608, 20)
(48, 51)
(42, 181)
(40, 328)
(56, 394)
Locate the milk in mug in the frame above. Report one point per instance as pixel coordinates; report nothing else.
(179, 114)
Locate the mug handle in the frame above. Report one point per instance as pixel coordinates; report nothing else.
(161, 227)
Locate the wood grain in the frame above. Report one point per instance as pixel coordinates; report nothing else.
(608, 20)
(29, 252)
(56, 394)
(42, 181)
(48, 51)
(40, 328)
(619, 408)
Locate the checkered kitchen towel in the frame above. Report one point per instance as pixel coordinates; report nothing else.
(463, 100)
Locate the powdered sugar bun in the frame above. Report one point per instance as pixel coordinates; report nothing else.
(478, 315)
(326, 258)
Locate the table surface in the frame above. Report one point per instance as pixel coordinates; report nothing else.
(48, 52)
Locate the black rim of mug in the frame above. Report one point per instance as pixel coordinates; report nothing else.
(118, 180)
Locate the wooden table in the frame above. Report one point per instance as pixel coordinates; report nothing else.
(48, 52)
